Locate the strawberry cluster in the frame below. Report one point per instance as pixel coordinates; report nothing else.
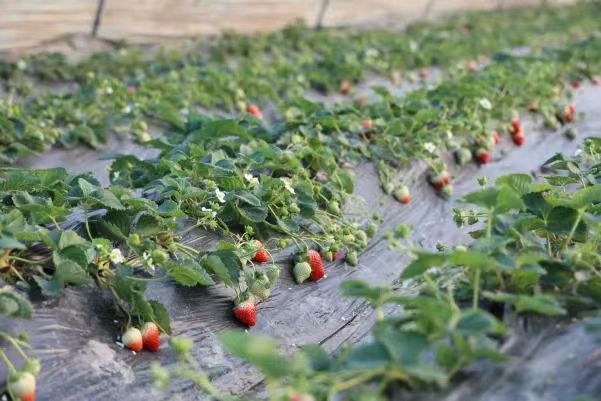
(149, 338)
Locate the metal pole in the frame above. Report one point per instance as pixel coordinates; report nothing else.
(322, 13)
(98, 17)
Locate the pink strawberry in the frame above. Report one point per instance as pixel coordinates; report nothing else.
(570, 110)
(423, 73)
(151, 337)
(402, 194)
(345, 87)
(496, 137)
(483, 156)
(533, 106)
(519, 138)
(302, 397)
(246, 313)
(261, 256)
(446, 178)
(132, 339)
(22, 386)
(472, 66)
(596, 80)
(367, 124)
(316, 263)
(515, 125)
(254, 110)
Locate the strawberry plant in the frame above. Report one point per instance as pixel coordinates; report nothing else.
(265, 184)
(535, 251)
(124, 91)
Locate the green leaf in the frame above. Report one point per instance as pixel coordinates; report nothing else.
(407, 347)
(423, 262)
(86, 188)
(68, 271)
(259, 350)
(475, 322)
(13, 304)
(485, 198)
(115, 225)
(368, 356)
(161, 316)
(344, 180)
(107, 199)
(70, 237)
(225, 264)
(586, 197)
(132, 292)
(542, 304)
(255, 214)
(471, 259)
(520, 183)
(148, 225)
(188, 273)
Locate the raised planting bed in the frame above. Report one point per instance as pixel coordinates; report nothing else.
(215, 195)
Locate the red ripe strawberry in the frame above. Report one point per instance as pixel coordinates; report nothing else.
(22, 386)
(496, 137)
(515, 125)
(345, 87)
(423, 73)
(483, 156)
(575, 84)
(254, 110)
(316, 263)
(246, 313)
(151, 337)
(568, 115)
(440, 180)
(132, 339)
(519, 138)
(367, 124)
(446, 178)
(334, 255)
(261, 256)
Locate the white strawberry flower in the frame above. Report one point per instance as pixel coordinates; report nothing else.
(21, 64)
(220, 195)
(209, 211)
(116, 256)
(485, 104)
(430, 147)
(251, 179)
(287, 184)
(108, 90)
